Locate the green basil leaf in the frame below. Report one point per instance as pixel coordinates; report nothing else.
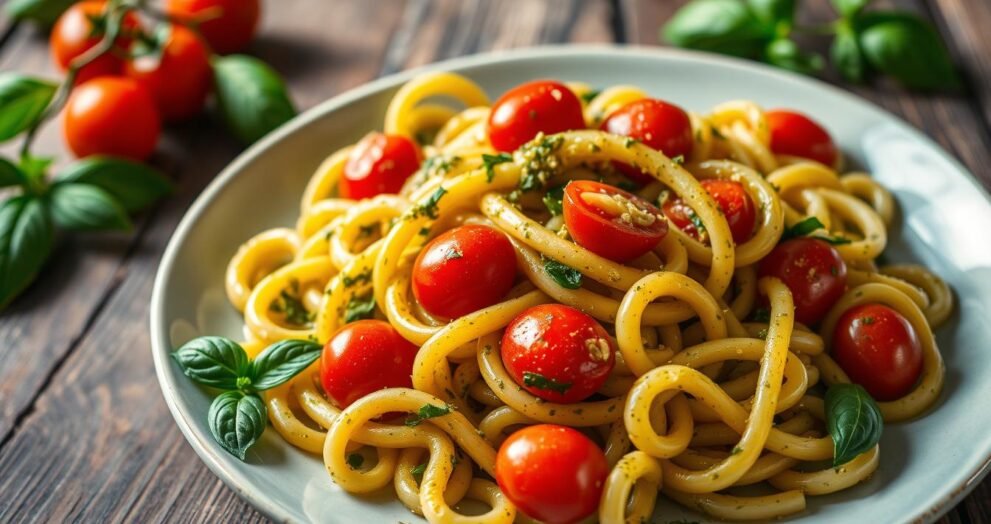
(803, 228)
(282, 361)
(553, 200)
(429, 206)
(359, 308)
(237, 420)
(590, 95)
(565, 276)
(135, 186)
(854, 421)
(907, 48)
(85, 207)
(849, 8)
(45, 12)
(35, 167)
(251, 96)
(10, 175)
(213, 361)
(723, 26)
(425, 412)
(26, 238)
(22, 99)
(490, 161)
(846, 55)
(536, 380)
(786, 54)
(777, 15)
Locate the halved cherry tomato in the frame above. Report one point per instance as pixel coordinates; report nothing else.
(879, 349)
(558, 353)
(74, 33)
(463, 270)
(657, 124)
(228, 25)
(795, 134)
(552, 473)
(378, 164)
(814, 272)
(611, 222)
(543, 106)
(363, 357)
(180, 78)
(732, 199)
(111, 116)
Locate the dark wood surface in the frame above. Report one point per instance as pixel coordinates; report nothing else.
(84, 432)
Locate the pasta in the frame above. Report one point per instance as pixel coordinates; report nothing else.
(711, 389)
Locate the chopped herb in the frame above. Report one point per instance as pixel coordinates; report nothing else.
(696, 221)
(762, 334)
(490, 161)
(429, 207)
(680, 159)
(355, 460)
(867, 320)
(427, 411)
(368, 230)
(290, 305)
(539, 381)
(588, 96)
(761, 315)
(736, 450)
(453, 254)
(359, 308)
(425, 231)
(565, 276)
(539, 161)
(716, 133)
(553, 200)
(628, 143)
(455, 460)
(810, 225)
(364, 276)
(418, 470)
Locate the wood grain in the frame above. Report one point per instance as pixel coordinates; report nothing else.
(966, 24)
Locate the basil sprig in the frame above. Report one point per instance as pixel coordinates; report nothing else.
(854, 421)
(238, 416)
(251, 96)
(810, 227)
(565, 276)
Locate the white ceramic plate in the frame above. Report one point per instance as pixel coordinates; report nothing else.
(927, 465)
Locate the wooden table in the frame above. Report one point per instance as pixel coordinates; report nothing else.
(84, 433)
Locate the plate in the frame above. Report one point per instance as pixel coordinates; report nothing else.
(927, 465)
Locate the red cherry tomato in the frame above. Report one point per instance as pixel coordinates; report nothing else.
(878, 348)
(379, 164)
(558, 353)
(227, 25)
(552, 473)
(732, 199)
(611, 222)
(543, 106)
(656, 123)
(813, 271)
(798, 135)
(463, 270)
(180, 78)
(111, 116)
(363, 357)
(74, 33)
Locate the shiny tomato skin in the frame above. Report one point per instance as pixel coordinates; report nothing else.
(732, 199)
(543, 106)
(552, 473)
(566, 353)
(463, 270)
(227, 25)
(879, 349)
(814, 272)
(655, 123)
(605, 233)
(378, 164)
(180, 79)
(111, 116)
(363, 357)
(793, 133)
(73, 34)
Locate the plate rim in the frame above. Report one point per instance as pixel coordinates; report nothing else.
(160, 346)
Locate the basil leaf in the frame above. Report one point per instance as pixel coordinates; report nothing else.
(135, 186)
(425, 412)
(359, 308)
(237, 420)
(590, 95)
(777, 15)
(35, 167)
(553, 200)
(26, 238)
(282, 361)
(22, 99)
(45, 12)
(86, 207)
(213, 361)
(418, 470)
(536, 380)
(429, 206)
(10, 175)
(854, 421)
(565, 276)
(849, 8)
(252, 98)
(846, 55)
(490, 161)
(803, 228)
(723, 26)
(786, 54)
(907, 48)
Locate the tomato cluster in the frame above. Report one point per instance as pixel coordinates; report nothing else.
(150, 75)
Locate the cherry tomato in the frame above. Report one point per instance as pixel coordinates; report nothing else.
(74, 33)
(379, 164)
(463, 270)
(543, 106)
(657, 124)
(552, 473)
(611, 222)
(180, 79)
(879, 349)
(558, 353)
(814, 272)
(111, 116)
(363, 357)
(798, 135)
(227, 25)
(732, 199)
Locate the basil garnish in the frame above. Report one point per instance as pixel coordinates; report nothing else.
(425, 412)
(237, 420)
(490, 161)
(854, 421)
(565, 276)
(536, 380)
